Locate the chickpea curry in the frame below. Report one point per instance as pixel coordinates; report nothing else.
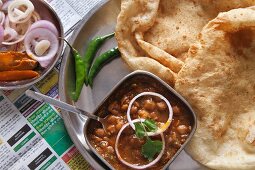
(148, 111)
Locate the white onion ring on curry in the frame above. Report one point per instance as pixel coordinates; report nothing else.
(132, 165)
(42, 45)
(160, 129)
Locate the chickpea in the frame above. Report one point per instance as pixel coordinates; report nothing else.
(149, 105)
(103, 144)
(119, 125)
(182, 141)
(100, 150)
(112, 119)
(143, 113)
(100, 132)
(124, 107)
(154, 116)
(133, 85)
(175, 122)
(176, 110)
(182, 129)
(185, 136)
(126, 99)
(111, 129)
(114, 108)
(110, 149)
(177, 144)
(96, 139)
(161, 106)
(170, 140)
(133, 110)
(173, 136)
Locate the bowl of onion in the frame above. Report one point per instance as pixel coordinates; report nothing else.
(29, 42)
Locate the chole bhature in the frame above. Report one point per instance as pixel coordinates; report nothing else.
(205, 49)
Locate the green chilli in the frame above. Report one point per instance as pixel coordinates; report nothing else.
(100, 61)
(79, 72)
(91, 51)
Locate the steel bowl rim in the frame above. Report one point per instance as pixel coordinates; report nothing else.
(58, 55)
(171, 90)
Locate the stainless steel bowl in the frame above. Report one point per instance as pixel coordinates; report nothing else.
(46, 12)
(135, 77)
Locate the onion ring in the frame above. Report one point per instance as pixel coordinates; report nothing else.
(1, 34)
(160, 129)
(132, 165)
(45, 24)
(2, 18)
(20, 28)
(11, 34)
(39, 34)
(5, 5)
(18, 16)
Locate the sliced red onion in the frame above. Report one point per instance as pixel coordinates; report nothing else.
(1, 3)
(45, 24)
(20, 28)
(133, 165)
(39, 34)
(1, 34)
(2, 18)
(6, 22)
(16, 15)
(5, 5)
(10, 34)
(160, 129)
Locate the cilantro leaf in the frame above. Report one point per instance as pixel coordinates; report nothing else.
(150, 148)
(150, 125)
(142, 127)
(139, 130)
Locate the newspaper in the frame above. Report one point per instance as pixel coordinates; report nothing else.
(32, 133)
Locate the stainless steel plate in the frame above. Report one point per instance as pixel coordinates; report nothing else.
(100, 21)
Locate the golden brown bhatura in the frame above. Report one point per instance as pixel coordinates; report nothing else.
(155, 35)
(218, 80)
(209, 61)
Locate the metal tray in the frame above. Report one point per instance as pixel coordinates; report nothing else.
(99, 21)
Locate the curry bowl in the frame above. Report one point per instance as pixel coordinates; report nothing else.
(44, 12)
(118, 103)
